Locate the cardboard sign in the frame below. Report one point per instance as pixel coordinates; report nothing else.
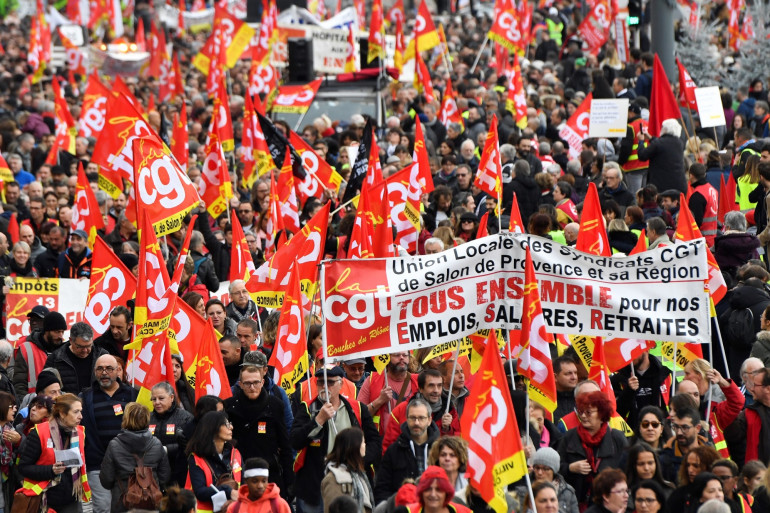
(710, 108)
(608, 118)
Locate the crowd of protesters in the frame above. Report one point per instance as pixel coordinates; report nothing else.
(350, 438)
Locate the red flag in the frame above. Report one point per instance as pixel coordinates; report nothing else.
(241, 263)
(351, 63)
(663, 105)
(592, 236)
(94, 108)
(275, 222)
(506, 31)
(516, 103)
(495, 454)
(320, 175)
(86, 215)
(112, 284)
(288, 196)
(382, 225)
(224, 121)
(404, 191)
(214, 186)
(489, 177)
(686, 88)
(576, 128)
(179, 139)
(395, 13)
(398, 56)
(247, 151)
(641, 244)
(596, 26)
(535, 356)
(139, 36)
(483, 230)
(599, 372)
(376, 42)
(687, 229)
(420, 156)
(296, 99)
(289, 357)
(516, 226)
(13, 229)
(422, 80)
(425, 33)
(449, 112)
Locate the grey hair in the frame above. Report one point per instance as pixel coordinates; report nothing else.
(735, 221)
(746, 363)
(507, 152)
(6, 350)
(457, 127)
(435, 240)
(521, 168)
(26, 136)
(166, 387)
(574, 167)
(467, 143)
(544, 148)
(233, 284)
(714, 506)
(101, 197)
(82, 331)
(196, 239)
(21, 245)
(418, 401)
(671, 127)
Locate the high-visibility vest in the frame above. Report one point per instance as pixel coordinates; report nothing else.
(376, 384)
(708, 227)
(717, 436)
(742, 192)
(746, 501)
(30, 487)
(633, 163)
(554, 30)
(35, 358)
(299, 461)
(235, 464)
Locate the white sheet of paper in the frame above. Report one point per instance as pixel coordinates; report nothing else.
(710, 108)
(608, 118)
(218, 500)
(70, 457)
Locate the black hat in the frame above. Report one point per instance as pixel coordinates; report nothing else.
(671, 194)
(129, 260)
(46, 378)
(54, 321)
(636, 109)
(469, 216)
(334, 372)
(39, 311)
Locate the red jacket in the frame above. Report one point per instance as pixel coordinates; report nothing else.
(262, 505)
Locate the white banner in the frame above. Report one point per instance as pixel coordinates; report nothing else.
(608, 118)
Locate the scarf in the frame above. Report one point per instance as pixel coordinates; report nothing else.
(57, 434)
(239, 315)
(6, 456)
(590, 443)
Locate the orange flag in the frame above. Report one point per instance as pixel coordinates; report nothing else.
(13, 229)
(398, 57)
(423, 173)
(351, 63)
(535, 357)
(425, 33)
(641, 244)
(289, 357)
(241, 263)
(592, 236)
(86, 215)
(489, 177)
(599, 371)
(516, 226)
(93, 107)
(275, 223)
(495, 454)
(449, 111)
(247, 150)
(376, 43)
(687, 229)
(112, 284)
(287, 196)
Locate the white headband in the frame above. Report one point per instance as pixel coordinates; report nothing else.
(256, 472)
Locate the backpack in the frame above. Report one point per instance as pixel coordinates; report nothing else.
(142, 491)
(740, 328)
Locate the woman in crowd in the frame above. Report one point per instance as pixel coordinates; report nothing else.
(451, 454)
(727, 472)
(751, 477)
(698, 460)
(196, 301)
(19, 265)
(39, 409)
(566, 212)
(652, 428)
(705, 486)
(434, 493)
(345, 471)
(643, 465)
(546, 498)
(45, 478)
(212, 460)
(545, 467)
(186, 391)
(666, 157)
(178, 500)
(610, 492)
(649, 497)
(222, 323)
(622, 240)
(166, 424)
(133, 444)
(592, 446)
(10, 442)
(469, 225)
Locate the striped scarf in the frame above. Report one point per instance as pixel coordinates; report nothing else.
(58, 440)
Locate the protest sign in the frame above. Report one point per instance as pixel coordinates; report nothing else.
(376, 306)
(710, 110)
(608, 118)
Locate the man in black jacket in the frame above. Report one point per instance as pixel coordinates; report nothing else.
(219, 251)
(645, 386)
(259, 426)
(313, 437)
(119, 334)
(75, 261)
(47, 264)
(408, 456)
(76, 360)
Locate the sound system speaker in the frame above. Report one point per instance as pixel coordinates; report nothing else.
(300, 60)
(282, 5)
(363, 46)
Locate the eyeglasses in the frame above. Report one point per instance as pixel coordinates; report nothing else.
(647, 423)
(251, 384)
(586, 413)
(109, 370)
(680, 427)
(244, 211)
(645, 501)
(228, 424)
(418, 419)
(624, 491)
(329, 382)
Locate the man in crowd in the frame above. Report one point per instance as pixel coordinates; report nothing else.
(241, 306)
(119, 333)
(75, 261)
(382, 395)
(566, 375)
(31, 355)
(76, 360)
(230, 347)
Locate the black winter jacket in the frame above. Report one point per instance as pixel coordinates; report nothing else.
(666, 163)
(119, 463)
(309, 477)
(61, 360)
(47, 264)
(219, 251)
(400, 462)
(648, 394)
(167, 427)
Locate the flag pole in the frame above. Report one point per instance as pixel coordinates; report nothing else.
(325, 341)
(312, 307)
(722, 347)
(673, 381)
(478, 57)
(452, 379)
(348, 202)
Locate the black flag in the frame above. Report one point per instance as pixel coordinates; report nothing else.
(358, 173)
(277, 144)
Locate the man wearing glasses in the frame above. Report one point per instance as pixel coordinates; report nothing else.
(685, 424)
(103, 406)
(751, 430)
(315, 428)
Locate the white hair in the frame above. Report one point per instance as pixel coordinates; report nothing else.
(671, 127)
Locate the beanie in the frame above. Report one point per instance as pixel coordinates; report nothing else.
(46, 378)
(548, 457)
(407, 494)
(54, 321)
(437, 474)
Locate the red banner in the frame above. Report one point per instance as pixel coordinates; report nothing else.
(112, 284)
(596, 26)
(576, 129)
(296, 98)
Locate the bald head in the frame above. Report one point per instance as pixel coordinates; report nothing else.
(690, 388)
(27, 234)
(106, 371)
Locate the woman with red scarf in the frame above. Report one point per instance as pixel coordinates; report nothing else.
(590, 447)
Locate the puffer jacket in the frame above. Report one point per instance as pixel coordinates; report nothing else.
(167, 427)
(61, 360)
(761, 348)
(119, 462)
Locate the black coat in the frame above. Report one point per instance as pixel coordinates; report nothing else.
(609, 454)
(219, 251)
(167, 427)
(61, 360)
(744, 296)
(308, 478)
(622, 241)
(666, 156)
(527, 194)
(260, 429)
(630, 401)
(398, 463)
(47, 264)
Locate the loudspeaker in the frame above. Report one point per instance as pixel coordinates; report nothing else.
(363, 46)
(282, 5)
(253, 11)
(300, 60)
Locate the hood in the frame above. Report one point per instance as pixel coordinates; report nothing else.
(135, 441)
(271, 492)
(763, 339)
(747, 296)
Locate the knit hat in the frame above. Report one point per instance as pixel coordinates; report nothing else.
(129, 260)
(437, 474)
(54, 321)
(407, 494)
(46, 378)
(548, 457)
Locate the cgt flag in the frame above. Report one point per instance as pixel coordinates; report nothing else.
(490, 175)
(495, 454)
(112, 284)
(592, 236)
(289, 357)
(86, 215)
